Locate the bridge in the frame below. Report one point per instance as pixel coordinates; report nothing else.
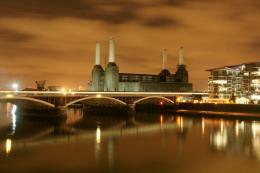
(59, 100)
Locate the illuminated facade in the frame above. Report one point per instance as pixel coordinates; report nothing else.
(110, 79)
(239, 82)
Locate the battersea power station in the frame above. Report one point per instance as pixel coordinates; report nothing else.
(110, 79)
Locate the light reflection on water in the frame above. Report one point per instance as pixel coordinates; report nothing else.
(8, 146)
(116, 144)
(13, 112)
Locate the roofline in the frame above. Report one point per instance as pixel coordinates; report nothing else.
(232, 66)
(138, 74)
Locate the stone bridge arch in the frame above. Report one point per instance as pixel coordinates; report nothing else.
(113, 100)
(20, 100)
(153, 97)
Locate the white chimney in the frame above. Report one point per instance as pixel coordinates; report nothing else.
(165, 57)
(111, 57)
(181, 56)
(98, 53)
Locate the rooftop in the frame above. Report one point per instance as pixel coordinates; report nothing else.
(235, 66)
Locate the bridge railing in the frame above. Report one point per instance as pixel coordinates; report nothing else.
(83, 93)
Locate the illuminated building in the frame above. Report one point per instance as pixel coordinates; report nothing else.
(239, 82)
(110, 79)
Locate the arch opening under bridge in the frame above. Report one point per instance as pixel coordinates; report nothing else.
(159, 98)
(20, 100)
(97, 98)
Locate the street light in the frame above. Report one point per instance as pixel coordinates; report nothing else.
(15, 86)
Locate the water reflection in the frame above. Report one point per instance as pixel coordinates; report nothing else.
(203, 126)
(98, 135)
(239, 137)
(98, 144)
(14, 108)
(8, 114)
(8, 146)
(74, 115)
(256, 138)
(179, 121)
(112, 141)
(219, 139)
(110, 153)
(161, 121)
(237, 128)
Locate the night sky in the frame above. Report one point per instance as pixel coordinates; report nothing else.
(55, 39)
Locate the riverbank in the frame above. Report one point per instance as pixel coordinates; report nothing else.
(207, 109)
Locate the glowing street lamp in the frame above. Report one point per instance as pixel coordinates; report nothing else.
(15, 86)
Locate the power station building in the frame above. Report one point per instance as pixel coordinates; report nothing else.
(110, 79)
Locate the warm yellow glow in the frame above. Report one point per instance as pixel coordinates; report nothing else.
(98, 95)
(237, 128)
(63, 90)
(256, 146)
(98, 135)
(179, 121)
(216, 101)
(255, 128)
(8, 146)
(220, 140)
(195, 101)
(161, 120)
(221, 125)
(242, 100)
(9, 96)
(203, 126)
(178, 99)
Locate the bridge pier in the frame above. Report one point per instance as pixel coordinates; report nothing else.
(60, 107)
(61, 111)
(130, 109)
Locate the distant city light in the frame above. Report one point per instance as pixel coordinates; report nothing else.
(220, 81)
(15, 86)
(239, 83)
(9, 96)
(242, 100)
(255, 97)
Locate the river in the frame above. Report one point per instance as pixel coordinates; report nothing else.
(144, 142)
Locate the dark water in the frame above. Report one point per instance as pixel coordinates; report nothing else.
(142, 143)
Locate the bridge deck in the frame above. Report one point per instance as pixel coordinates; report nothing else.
(113, 94)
